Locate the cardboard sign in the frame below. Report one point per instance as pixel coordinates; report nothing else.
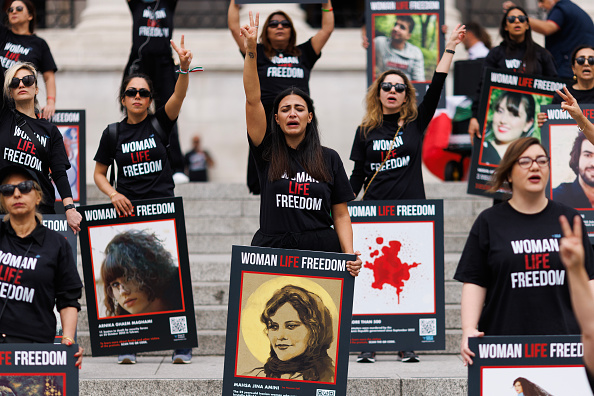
(405, 35)
(288, 324)
(399, 294)
(534, 365)
(505, 96)
(137, 277)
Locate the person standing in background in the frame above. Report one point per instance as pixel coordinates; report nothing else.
(197, 162)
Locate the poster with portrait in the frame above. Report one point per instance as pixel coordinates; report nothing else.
(38, 369)
(572, 162)
(406, 36)
(528, 365)
(289, 323)
(508, 109)
(399, 294)
(137, 278)
(72, 126)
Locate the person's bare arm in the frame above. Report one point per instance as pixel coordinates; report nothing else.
(69, 317)
(571, 105)
(234, 26)
(50, 87)
(174, 104)
(455, 38)
(121, 204)
(344, 229)
(473, 300)
(323, 35)
(544, 27)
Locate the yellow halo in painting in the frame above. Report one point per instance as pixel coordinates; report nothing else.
(254, 331)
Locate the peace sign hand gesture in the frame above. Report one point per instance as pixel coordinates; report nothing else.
(569, 103)
(185, 55)
(250, 33)
(571, 246)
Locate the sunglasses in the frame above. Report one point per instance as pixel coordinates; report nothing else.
(143, 92)
(17, 9)
(582, 59)
(521, 18)
(24, 187)
(284, 23)
(387, 87)
(28, 80)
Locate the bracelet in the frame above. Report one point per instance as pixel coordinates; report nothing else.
(192, 70)
(580, 129)
(449, 51)
(113, 194)
(68, 339)
(328, 10)
(51, 97)
(68, 207)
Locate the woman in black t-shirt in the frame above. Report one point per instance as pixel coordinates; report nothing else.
(281, 62)
(582, 61)
(47, 275)
(20, 44)
(388, 143)
(140, 152)
(41, 152)
(517, 52)
(304, 186)
(514, 281)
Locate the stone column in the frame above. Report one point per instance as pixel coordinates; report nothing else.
(105, 16)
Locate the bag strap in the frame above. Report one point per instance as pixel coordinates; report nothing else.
(383, 162)
(22, 124)
(112, 135)
(162, 135)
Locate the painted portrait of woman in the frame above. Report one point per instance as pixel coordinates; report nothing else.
(139, 275)
(299, 328)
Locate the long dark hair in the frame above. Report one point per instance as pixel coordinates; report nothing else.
(291, 47)
(140, 255)
(529, 388)
(314, 364)
(308, 153)
(513, 103)
(529, 60)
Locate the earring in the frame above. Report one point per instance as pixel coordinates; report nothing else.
(115, 303)
(574, 77)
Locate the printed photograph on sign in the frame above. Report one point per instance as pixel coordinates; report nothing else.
(572, 163)
(406, 42)
(70, 135)
(136, 269)
(398, 273)
(511, 115)
(526, 380)
(32, 384)
(288, 327)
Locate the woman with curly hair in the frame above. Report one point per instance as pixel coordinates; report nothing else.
(524, 387)
(299, 327)
(139, 275)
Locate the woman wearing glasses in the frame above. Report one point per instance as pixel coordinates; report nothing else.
(517, 52)
(514, 280)
(19, 43)
(281, 62)
(32, 142)
(47, 274)
(582, 61)
(140, 151)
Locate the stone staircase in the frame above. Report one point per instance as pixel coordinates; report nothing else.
(221, 215)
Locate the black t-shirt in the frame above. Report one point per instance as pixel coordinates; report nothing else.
(401, 177)
(585, 96)
(284, 71)
(143, 167)
(24, 48)
(17, 148)
(197, 163)
(302, 203)
(515, 256)
(155, 25)
(44, 268)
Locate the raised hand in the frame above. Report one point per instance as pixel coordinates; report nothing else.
(250, 32)
(457, 35)
(569, 103)
(185, 55)
(572, 246)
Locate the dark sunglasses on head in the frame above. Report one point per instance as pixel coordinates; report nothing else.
(28, 80)
(274, 23)
(387, 87)
(24, 187)
(143, 92)
(17, 9)
(582, 59)
(521, 18)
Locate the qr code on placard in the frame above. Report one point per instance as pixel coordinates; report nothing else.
(325, 392)
(178, 325)
(428, 327)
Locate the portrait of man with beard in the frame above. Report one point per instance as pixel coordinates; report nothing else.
(580, 193)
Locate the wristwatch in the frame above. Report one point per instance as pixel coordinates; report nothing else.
(68, 207)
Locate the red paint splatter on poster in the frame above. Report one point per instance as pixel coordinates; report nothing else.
(389, 269)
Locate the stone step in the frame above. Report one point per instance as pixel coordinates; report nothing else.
(434, 375)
